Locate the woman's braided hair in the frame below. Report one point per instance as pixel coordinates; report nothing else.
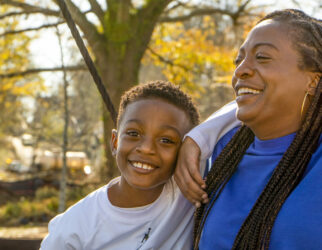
(306, 32)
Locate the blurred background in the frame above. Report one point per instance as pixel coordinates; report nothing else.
(54, 127)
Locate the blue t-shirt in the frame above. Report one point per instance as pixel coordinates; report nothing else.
(299, 222)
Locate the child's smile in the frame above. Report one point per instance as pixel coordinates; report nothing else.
(146, 145)
(143, 166)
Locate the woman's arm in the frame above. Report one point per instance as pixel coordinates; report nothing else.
(197, 147)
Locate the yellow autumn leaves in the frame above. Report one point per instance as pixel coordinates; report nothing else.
(189, 54)
(14, 57)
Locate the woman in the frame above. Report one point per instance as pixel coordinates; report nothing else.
(265, 183)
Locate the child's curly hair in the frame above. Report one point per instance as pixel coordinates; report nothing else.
(162, 90)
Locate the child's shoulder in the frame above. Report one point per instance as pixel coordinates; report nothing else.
(76, 224)
(80, 211)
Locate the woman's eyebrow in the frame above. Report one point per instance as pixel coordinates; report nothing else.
(265, 44)
(242, 49)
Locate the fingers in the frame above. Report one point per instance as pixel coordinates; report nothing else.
(187, 173)
(190, 189)
(193, 169)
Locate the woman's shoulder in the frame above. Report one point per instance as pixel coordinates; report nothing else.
(227, 137)
(223, 142)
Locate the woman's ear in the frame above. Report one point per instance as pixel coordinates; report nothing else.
(113, 142)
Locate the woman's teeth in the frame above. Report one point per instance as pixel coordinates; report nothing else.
(246, 91)
(142, 165)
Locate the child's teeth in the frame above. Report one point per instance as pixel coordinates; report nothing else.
(142, 165)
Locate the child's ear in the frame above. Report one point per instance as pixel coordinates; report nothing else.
(113, 142)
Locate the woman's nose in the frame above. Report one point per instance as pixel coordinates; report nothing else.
(244, 69)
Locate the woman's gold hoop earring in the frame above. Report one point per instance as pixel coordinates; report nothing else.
(304, 101)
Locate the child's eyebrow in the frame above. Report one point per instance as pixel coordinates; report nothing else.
(163, 127)
(133, 120)
(168, 127)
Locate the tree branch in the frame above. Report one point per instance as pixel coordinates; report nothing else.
(31, 8)
(151, 11)
(39, 70)
(177, 5)
(12, 32)
(89, 30)
(169, 62)
(26, 12)
(209, 11)
(17, 13)
(96, 8)
(239, 11)
(154, 8)
(198, 12)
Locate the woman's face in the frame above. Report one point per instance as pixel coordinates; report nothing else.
(268, 83)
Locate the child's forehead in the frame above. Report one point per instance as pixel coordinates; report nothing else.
(154, 108)
(144, 105)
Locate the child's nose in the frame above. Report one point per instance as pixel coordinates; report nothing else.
(147, 146)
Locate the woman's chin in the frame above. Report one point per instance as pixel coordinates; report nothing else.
(246, 115)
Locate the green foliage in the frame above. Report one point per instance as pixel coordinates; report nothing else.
(52, 204)
(45, 192)
(40, 208)
(12, 210)
(48, 118)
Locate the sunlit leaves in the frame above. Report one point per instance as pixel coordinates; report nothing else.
(14, 57)
(188, 55)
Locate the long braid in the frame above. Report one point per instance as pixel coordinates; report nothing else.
(256, 229)
(222, 169)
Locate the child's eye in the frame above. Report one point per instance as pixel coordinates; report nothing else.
(132, 133)
(166, 140)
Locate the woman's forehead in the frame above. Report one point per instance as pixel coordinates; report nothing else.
(268, 32)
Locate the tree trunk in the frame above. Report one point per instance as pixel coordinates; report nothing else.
(63, 180)
(117, 78)
(119, 51)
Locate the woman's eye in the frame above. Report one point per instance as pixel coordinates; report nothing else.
(167, 141)
(237, 61)
(262, 57)
(132, 133)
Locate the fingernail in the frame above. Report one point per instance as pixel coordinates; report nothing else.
(205, 201)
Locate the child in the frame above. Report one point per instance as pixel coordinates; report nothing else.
(143, 208)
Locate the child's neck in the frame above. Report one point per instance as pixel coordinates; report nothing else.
(121, 194)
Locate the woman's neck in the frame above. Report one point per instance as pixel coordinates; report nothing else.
(272, 131)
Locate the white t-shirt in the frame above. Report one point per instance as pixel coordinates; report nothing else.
(208, 133)
(94, 223)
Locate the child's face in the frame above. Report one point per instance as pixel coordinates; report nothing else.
(147, 142)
